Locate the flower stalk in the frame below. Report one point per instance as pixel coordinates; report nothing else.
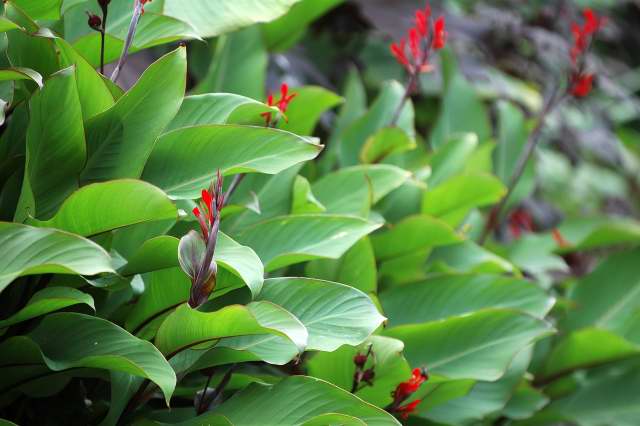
(138, 11)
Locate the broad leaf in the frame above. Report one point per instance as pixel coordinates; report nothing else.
(185, 160)
(334, 314)
(451, 158)
(306, 109)
(48, 300)
(120, 139)
(30, 251)
(10, 74)
(68, 340)
(288, 240)
(102, 207)
(385, 142)
(477, 346)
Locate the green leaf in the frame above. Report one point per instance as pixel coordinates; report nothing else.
(238, 65)
(452, 200)
(9, 74)
(468, 256)
(186, 328)
(55, 136)
(588, 234)
(48, 300)
(288, 240)
(587, 348)
(349, 190)
(379, 115)
(412, 234)
(452, 295)
(184, 161)
(120, 140)
(154, 254)
(525, 402)
(7, 25)
(334, 314)
(218, 108)
(451, 158)
(601, 400)
(477, 346)
(306, 108)
(69, 340)
(40, 9)
(31, 251)
(385, 142)
(214, 19)
(272, 404)
(285, 31)
(303, 199)
(390, 368)
(357, 267)
(101, 207)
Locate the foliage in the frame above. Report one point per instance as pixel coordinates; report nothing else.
(335, 268)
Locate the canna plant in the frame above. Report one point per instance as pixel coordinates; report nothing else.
(176, 251)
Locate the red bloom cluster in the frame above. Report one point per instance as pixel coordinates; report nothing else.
(424, 38)
(407, 409)
(581, 82)
(282, 103)
(405, 389)
(211, 205)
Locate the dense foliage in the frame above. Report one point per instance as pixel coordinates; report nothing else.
(441, 232)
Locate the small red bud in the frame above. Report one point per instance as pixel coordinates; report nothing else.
(368, 376)
(94, 22)
(360, 360)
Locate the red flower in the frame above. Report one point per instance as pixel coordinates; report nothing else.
(142, 3)
(94, 22)
(580, 82)
(439, 33)
(581, 85)
(520, 220)
(423, 38)
(211, 205)
(282, 103)
(360, 360)
(405, 389)
(407, 409)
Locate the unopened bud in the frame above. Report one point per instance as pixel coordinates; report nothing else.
(94, 22)
(360, 360)
(368, 375)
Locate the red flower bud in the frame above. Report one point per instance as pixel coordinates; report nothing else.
(407, 409)
(439, 33)
(368, 376)
(581, 85)
(360, 360)
(94, 22)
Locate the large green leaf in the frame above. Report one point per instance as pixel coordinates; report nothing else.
(455, 198)
(211, 19)
(586, 348)
(273, 404)
(379, 115)
(387, 361)
(413, 233)
(285, 31)
(238, 65)
(353, 190)
(385, 142)
(48, 300)
(54, 136)
(306, 109)
(609, 297)
(69, 340)
(287, 240)
(451, 295)
(120, 139)
(452, 157)
(357, 268)
(40, 9)
(17, 73)
(187, 328)
(30, 251)
(334, 314)
(184, 161)
(468, 256)
(102, 207)
(589, 234)
(218, 108)
(477, 346)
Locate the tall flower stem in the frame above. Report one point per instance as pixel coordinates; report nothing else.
(137, 12)
(409, 89)
(532, 142)
(102, 38)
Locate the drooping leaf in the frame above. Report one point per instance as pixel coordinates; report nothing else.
(18, 73)
(287, 240)
(451, 295)
(334, 314)
(69, 340)
(477, 346)
(184, 161)
(102, 207)
(28, 251)
(48, 300)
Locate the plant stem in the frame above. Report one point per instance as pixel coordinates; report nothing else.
(532, 143)
(102, 38)
(411, 83)
(137, 12)
(200, 409)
